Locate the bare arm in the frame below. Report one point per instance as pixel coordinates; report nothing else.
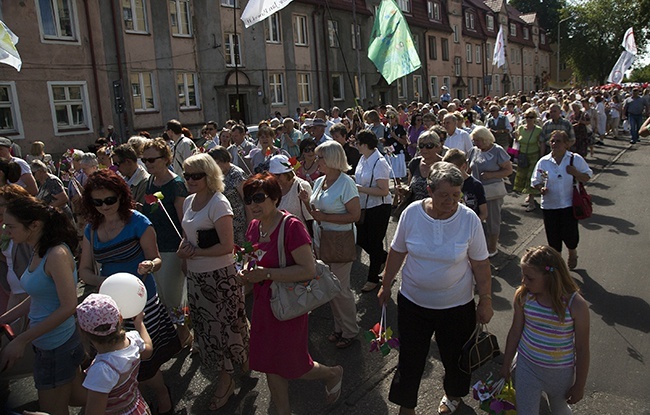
(580, 314)
(30, 183)
(482, 212)
(302, 270)
(645, 131)
(483, 278)
(149, 245)
(86, 266)
(178, 205)
(96, 402)
(138, 323)
(393, 264)
(514, 335)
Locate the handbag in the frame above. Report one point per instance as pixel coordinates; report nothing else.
(293, 299)
(337, 246)
(582, 205)
(206, 238)
(481, 347)
(496, 190)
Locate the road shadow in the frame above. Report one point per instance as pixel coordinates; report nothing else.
(616, 225)
(601, 201)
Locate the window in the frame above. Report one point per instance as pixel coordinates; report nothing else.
(526, 35)
(488, 51)
(300, 30)
(232, 49)
(417, 86)
(180, 16)
(404, 5)
(542, 38)
(444, 43)
(338, 87)
(276, 88)
(10, 122)
(456, 40)
(496, 84)
(57, 20)
(457, 66)
(401, 87)
(70, 107)
(332, 33)
(468, 53)
(273, 28)
(479, 86)
(135, 19)
(230, 3)
(187, 90)
(304, 88)
(469, 20)
(142, 91)
(433, 85)
(356, 36)
(489, 21)
(433, 48)
(360, 86)
(445, 82)
(470, 86)
(513, 29)
(478, 54)
(512, 55)
(433, 10)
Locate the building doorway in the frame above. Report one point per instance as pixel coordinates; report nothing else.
(237, 107)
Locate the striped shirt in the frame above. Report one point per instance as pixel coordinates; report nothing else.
(547, 341)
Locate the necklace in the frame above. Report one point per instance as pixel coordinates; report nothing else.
(266, 234)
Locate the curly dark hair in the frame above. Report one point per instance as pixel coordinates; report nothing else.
(57, 227)
(106, 179)
(10, 169)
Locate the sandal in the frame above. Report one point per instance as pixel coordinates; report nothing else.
(334, 394)
(572, 262)
(448, 406)
(335, 337)
(344, 343)
(531, 207)
(218, 402)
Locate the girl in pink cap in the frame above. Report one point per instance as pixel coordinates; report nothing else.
(111, 380)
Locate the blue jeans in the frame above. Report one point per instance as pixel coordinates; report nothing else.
(635, 125)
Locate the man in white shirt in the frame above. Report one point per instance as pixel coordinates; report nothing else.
(456, 138)
(182, 147)
(26, 179)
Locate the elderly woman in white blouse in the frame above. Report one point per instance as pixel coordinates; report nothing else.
(295, 191)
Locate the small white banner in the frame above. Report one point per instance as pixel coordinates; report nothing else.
(258, 10)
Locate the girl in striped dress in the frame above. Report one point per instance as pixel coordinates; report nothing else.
(549, 333)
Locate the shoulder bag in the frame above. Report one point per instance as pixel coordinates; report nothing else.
(582, 205)
(293, 299)
(481, 347)
(496, 190)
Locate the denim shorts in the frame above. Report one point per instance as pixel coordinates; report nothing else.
(59, 366)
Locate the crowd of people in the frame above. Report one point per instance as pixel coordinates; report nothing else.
(172, 210)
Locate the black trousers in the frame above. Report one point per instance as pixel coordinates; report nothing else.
(561, 226)
(370, 237)
(452, 327)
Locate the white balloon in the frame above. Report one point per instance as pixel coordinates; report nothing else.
(128, 292)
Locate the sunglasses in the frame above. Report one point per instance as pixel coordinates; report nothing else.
(257, 198)
(309, 150)
(427, 145)
(151, 159)
(194, 176)
(109, 201)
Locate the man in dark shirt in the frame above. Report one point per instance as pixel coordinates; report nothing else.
(633, 109)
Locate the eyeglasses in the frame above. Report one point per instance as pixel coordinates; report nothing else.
(309, 150)
(427, 145)
(257, 198)
(109, 201)
(194, 176)
(151, 159)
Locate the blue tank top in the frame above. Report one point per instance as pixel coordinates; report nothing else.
(44, 301)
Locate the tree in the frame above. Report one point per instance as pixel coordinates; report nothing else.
(592, 41)
(548, 13)
(641, 74)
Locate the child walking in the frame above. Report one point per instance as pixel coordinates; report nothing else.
(550, 333)
(111, 380)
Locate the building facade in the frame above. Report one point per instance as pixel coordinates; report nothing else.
(135, 64)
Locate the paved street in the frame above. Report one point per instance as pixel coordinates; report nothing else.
(612, 273)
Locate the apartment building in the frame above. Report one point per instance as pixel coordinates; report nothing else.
(135, 64)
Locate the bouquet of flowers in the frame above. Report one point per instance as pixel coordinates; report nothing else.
(380, 337)
(496, 397)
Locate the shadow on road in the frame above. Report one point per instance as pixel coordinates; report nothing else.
(616, 225)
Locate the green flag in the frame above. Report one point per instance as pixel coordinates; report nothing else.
(392, 49)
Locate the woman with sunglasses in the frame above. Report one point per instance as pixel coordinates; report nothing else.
(170, 279)
(308, 169)
(429, 147)
(213, 290)
(122, 239)
(528, 137)
(280, 348)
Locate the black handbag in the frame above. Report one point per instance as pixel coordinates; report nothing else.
(481, 347)
(206, 238)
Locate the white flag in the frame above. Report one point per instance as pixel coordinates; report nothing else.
(8, 52)
(258, 10)
(623, 64)
(628, 41)
(499, 58)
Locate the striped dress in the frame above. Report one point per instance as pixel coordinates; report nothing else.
(123, 254)
(547, 341)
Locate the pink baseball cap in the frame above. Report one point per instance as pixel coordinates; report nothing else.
(98, 310)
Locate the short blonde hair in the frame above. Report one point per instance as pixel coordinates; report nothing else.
(38, 147)
(334, 155)
(159, 144)
(203, 163)
(531, 111)
(430, 135)
(483, 135)
(138, 142)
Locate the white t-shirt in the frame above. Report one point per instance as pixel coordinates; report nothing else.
(205, 218)
(12, 278)
(332, 200)
(437, 273)
(460, 140)
(107, 368)
(24, 169)
(366, 171)
(292, 203)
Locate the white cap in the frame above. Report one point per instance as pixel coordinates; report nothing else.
(279, 164)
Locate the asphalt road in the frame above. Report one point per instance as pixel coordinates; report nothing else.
(613, 275)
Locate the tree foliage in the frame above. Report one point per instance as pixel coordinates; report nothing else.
(548, 13)
(641, 74)
(592, 39)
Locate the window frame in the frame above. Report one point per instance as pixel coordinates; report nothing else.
(356, 37)
(479, 53)
(433, 85)
(468, 52)
(417, 86)
(446, 81)
(276, 83)
(85, 102)
(58, 37)
(469, 20)
(489, 22)
(273, 36)
(402, 87)
(134, 18)
(186, 94)
(444, 46)
(433, 10)
(14, 106)
(458, 66)
(526, 33)
(230, 3)
(404, 6)
(341, 88)
(513, 29)
(300, 30)
(470, 86)
(143, 96)
(229, 40)
(456, 35)
(332, 31)
(179, 11)
(433, 48)
(304, 88)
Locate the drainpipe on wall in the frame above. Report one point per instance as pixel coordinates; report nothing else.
(313, 23)
(327, 61)
(426, 64)
(94, 65)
